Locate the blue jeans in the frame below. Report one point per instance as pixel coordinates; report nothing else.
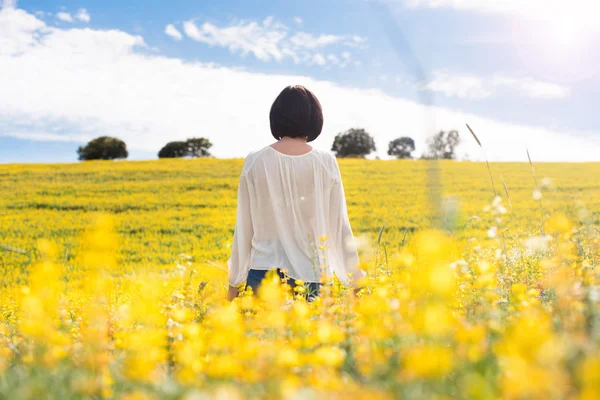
(256, 276)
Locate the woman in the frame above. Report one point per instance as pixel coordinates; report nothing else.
(291, 203)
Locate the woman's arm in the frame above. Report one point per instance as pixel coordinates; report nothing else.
(343, 244)
(239, 262)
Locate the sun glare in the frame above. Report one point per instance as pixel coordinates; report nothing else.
(557, 40)
(567, 32)
(568, 24)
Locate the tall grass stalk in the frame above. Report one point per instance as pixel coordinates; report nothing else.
(484, 156)
(12, 249)
(404, 237)
(379, 244)
(493, 185)
(507, 195)
(537, 187)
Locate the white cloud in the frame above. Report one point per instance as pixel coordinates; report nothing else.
(173, 32)
(478, 87)
(504, 6)
(333, 59)
(482, 5)
(298, 20)
(262, 40)
(356, 41)
(462, 86)
(19, 31)
(583, 13)
(309, 41)
(64, 16)
(319, 59)
(268, 21)
(97, 82)
(83, 15)
(268, 41)
(531, 87)
(8, 3)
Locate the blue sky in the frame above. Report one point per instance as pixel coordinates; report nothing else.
(155, 71)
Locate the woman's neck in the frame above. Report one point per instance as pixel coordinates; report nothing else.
(292, 140)
(292, 146)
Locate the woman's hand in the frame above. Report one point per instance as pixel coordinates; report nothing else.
(232, 293)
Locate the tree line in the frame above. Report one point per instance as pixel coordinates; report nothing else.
(353, 143)
(110, 148)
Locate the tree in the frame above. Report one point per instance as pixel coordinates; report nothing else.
(353, 143)
(198, 147)
(103, 148)
(194, 147)
(174, 150)
(401, 147)
(443, 146)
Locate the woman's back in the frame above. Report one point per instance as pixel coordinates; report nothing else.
(294, 204)
(291, 210)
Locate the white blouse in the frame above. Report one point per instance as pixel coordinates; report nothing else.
(288, 206)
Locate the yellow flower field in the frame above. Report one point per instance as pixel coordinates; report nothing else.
(114, 281)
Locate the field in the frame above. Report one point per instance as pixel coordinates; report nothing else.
(114, 279)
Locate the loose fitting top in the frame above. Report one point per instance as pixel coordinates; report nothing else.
(291, 214)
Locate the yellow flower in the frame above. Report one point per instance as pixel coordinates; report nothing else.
(328, 333)
(427, 361)
(558, 223)
(330, 356)
(288, 357)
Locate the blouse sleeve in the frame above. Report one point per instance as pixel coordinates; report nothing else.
(239, 262)
(345, 263)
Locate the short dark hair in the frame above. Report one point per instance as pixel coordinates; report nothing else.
(296, 112)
